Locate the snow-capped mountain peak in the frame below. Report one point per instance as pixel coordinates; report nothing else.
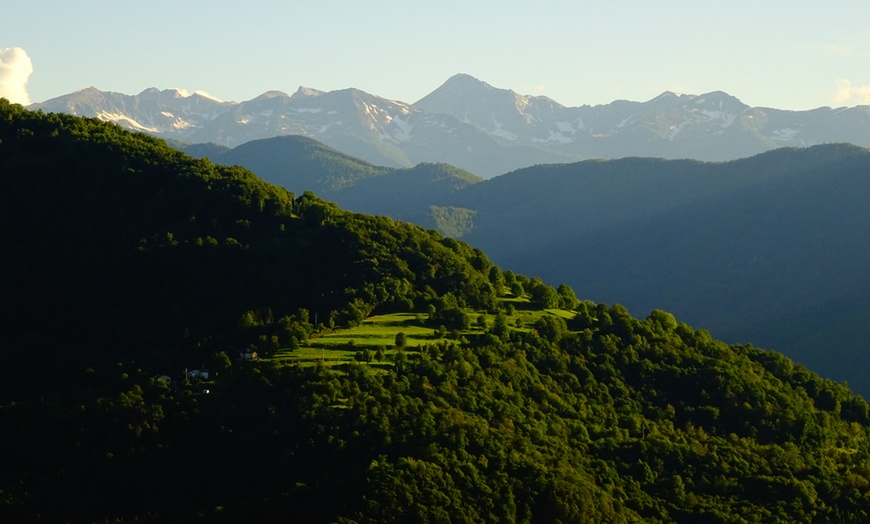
(306, 91)
(473, 125)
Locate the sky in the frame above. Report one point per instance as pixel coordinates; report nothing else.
(797, 54)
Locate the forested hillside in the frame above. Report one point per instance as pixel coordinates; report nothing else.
(128, 264)
(299, 163)
(762, 250)
(116, 233)
(769, 250)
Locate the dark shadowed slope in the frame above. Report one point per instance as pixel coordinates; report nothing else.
(760, 250)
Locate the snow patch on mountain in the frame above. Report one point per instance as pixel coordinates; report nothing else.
(499, 131)
(181, 125)
(723, 118)
(622, 124)
(184, 93)
(676, 130)
(557, 137)
(787, 134)
(324, 128)
(401, 131)
(566, 127)
(125, 121)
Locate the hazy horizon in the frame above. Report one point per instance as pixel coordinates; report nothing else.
(796, 55)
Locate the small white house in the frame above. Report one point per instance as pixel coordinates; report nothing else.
(248, 354)
(200, 374)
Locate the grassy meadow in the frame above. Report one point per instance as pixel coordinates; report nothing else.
(375, 337)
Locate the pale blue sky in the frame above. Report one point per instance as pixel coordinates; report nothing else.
(796, 54)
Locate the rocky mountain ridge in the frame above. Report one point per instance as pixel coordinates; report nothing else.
(478, 127)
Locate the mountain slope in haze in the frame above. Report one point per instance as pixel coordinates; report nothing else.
(302, 164)
(760, 250)
(402, 192)
(470, 124)
(711, 126)
(128, 263)
(350, 120)
(168, 112)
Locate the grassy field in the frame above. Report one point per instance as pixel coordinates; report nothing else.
(382, 330)
(564, 313)
(379, 333)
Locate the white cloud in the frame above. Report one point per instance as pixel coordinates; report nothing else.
(850, 94)
(15, 69)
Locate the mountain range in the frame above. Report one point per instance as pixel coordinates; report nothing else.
(475, 126)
